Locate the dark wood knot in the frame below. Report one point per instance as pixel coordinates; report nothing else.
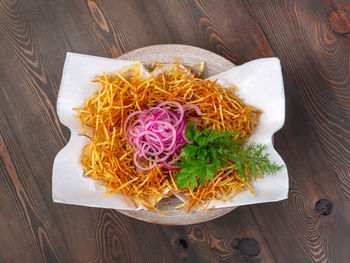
(181, 243)
(339, 21)
(198, 233)
(248, 246)
(324, 207)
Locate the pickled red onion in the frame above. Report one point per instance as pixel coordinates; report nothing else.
(158, 134)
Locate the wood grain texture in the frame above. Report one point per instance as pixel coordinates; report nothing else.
(312, 40)
(323, 79)
(316, 61)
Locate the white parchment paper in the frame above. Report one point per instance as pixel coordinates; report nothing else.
(260, 84)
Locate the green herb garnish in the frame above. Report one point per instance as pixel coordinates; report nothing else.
(213, 150)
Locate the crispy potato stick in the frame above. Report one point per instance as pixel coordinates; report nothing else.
(108, 158)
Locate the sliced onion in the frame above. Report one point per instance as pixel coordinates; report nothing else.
(158, 134)
(137, 163)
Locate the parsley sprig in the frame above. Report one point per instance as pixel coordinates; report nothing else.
(213, 150)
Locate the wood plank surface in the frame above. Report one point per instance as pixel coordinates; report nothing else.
(312, 39)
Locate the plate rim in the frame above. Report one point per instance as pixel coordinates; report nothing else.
(134, 214)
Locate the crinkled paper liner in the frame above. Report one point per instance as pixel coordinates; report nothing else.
(260, 84)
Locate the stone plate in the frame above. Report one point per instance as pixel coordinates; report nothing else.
(188, 56)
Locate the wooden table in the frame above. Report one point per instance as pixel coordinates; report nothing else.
(312, 39)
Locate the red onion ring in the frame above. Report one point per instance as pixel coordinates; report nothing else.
(158, 134)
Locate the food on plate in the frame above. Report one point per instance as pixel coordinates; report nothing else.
(170, 133)
(157, 134)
